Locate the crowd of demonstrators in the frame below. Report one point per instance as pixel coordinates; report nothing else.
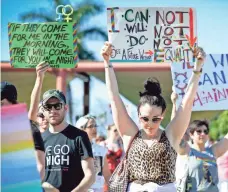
(152, 152)
(74, 159)
(196, 167)
(88, 124)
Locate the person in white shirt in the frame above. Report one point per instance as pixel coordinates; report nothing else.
(88, 124)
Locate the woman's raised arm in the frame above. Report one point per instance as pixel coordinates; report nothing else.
(177, 127)
(125, 125)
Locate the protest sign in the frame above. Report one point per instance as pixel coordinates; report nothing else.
(18, 162)
(32, 43)
(212, 93)
(154, 34)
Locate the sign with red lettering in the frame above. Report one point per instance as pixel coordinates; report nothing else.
(154, 34)
(212, 92)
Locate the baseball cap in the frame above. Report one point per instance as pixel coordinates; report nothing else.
(53, 93)
(8, 91)
(82, 121)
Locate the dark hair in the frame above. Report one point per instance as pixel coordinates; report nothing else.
(100, 138)
(197, 123)
(13, 102)
(9, 92)
(152, 94)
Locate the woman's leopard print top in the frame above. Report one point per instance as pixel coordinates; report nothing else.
(151, 164)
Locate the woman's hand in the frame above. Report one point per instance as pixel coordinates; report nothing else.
(200, 56)
(106, 51)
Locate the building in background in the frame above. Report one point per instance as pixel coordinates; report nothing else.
(99, 104)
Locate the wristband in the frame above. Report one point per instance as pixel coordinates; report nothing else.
(108, 66)
(198, 72)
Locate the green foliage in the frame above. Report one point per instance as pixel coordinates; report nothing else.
(219, 126)
(82, 13)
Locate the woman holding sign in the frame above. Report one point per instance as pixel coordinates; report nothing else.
(152, 152)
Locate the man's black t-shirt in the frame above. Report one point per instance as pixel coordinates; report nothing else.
(38, 141)
(63, 154)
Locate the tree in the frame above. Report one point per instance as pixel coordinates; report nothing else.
(219, 126)
(82, 12)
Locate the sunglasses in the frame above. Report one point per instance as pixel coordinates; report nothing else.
(57, 106)
(201, 131)
(41, 115)
(115, 130)
(153, 120)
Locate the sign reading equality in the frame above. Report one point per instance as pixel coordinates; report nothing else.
(154, 34)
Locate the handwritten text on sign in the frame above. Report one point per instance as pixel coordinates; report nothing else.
(32, 43)
(151, 34)
(212, 93)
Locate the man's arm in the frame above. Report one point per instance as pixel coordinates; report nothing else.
(35, 96)
(39, 149)
(40, 162)
(89, 178)
(178, 126)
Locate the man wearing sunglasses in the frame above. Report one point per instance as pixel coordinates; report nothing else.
(69, 158)
(9, 97)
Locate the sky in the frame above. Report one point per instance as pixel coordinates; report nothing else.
(212, 25)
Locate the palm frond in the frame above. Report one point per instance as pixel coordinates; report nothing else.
(84, 54)
(95, 32)
(60, 2)
(34, 15)
(85, 10)
(57, 2)
(82, 12)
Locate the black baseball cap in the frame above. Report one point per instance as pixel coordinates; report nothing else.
(8, 91)
(53, 93)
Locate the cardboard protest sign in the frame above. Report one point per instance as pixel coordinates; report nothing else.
(212, 93)
(18, 162)
(154, 34)
(32, 43)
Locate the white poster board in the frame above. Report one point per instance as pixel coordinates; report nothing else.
(212, 92)
(154, 34)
